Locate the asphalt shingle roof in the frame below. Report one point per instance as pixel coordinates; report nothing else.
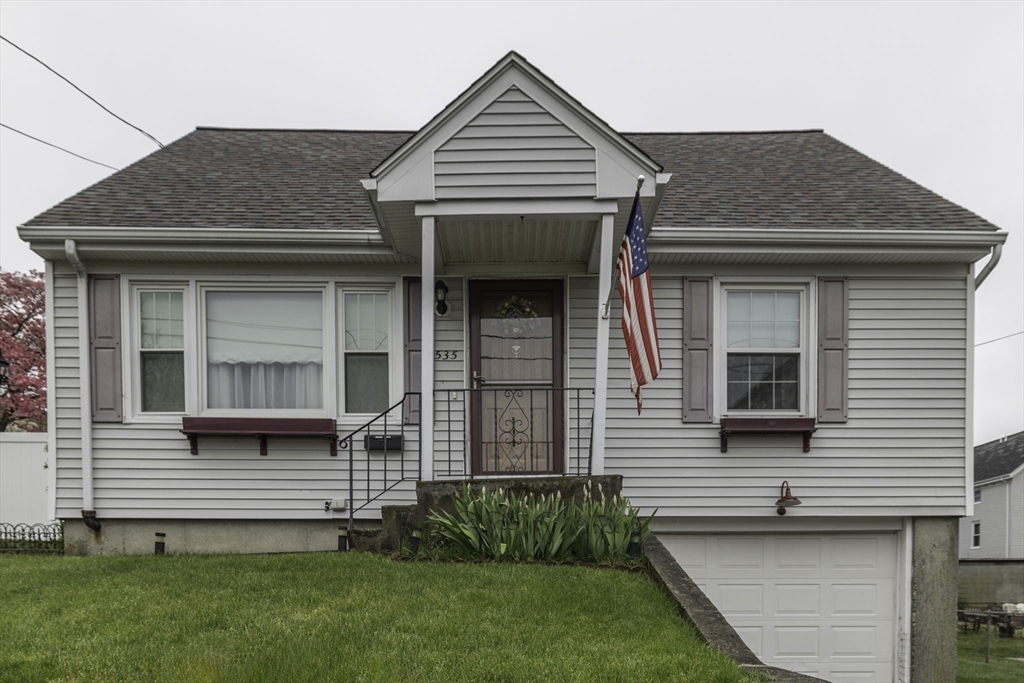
(228, 178)
(999, 457)
(245, 178)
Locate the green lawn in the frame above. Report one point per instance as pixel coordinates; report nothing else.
(970, 663)
(337, 617)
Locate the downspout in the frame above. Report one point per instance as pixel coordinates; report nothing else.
(85, 384)
(997, 252)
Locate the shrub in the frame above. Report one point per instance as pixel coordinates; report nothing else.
(496, 524)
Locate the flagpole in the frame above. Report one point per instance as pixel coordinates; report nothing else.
(607, 310)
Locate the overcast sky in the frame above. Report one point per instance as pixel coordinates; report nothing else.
(933, 90)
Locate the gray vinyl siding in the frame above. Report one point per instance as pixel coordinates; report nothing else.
(991, 512)
(1017, 516)
(145, 470)
(514, 148)
(900, 453)
(451, 410)
(67, 422)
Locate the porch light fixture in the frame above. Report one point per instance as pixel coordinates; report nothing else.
(5, 368)
(786, 498)
(440, 293)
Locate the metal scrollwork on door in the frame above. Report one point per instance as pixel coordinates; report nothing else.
(514, 432)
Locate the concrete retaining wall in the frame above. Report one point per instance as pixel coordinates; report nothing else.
(991, 582)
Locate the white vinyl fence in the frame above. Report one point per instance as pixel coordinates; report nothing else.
(25, 478)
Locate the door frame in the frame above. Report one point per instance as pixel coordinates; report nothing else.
(480, 288)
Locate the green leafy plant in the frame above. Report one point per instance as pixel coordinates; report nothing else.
(496, 524)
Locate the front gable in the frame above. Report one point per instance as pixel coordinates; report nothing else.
(514, 134)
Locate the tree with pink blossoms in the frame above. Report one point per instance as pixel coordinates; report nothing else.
(23, 344)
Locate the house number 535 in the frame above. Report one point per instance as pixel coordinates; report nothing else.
(446, 355)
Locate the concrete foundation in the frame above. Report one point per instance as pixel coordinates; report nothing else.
(202, 536)
(933, 591)
(199, 536)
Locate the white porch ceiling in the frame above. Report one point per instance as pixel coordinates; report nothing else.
(516, 241)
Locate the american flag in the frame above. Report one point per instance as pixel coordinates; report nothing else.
(639, 326)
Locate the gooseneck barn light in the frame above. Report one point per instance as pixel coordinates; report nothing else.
(786, 498)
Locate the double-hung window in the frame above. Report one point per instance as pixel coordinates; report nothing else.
(366, 340)
(263, 349)
(975, 535)
(765, 364)
(160, 344)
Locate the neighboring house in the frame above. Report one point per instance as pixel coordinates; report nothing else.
(995, 531)
(239, 284)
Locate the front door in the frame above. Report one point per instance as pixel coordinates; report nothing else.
(516, 370)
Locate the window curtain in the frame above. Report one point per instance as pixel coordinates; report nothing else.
(264, 350)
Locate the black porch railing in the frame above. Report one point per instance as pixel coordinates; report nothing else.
(386, 463)
(520, 429)
(32, 538)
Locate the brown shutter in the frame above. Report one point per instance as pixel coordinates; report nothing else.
(833, 349)
(105, 347)
(413, 345)
(698, 351)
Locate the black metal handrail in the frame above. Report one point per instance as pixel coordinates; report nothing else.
(517, 415)
(388, 426)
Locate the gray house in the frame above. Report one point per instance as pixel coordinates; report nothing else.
(229, 310)
(995, 530)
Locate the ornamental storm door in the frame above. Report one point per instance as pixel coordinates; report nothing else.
(516, 372)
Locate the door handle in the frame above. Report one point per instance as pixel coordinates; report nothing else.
(478, 380)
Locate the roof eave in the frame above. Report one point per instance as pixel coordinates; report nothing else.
(213, 240)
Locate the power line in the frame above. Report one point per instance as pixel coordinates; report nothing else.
(999, 338)
(160, 144)
(32, 137)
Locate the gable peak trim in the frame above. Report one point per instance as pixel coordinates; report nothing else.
(510, 60)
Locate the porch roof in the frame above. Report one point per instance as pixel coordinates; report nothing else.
(253, 179)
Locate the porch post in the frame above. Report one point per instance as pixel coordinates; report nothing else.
(427, 354)
(601, 368)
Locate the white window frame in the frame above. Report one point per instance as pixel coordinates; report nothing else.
(977, 496)
(195, 340)
(396, 368)
(807, 287)
(975, 535)
(131, 339)
(329, 371)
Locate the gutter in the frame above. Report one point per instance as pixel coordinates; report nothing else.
(997, 252)
(84, 384)
(816, 237)
(204, 236)
(994, 480)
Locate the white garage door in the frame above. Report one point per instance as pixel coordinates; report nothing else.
(819, 604)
